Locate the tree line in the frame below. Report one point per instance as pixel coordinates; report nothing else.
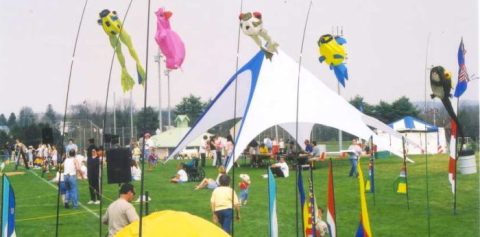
(28, 125)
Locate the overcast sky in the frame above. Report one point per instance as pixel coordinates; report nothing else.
(387, 46)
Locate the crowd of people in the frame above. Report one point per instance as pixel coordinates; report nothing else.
(224, 201)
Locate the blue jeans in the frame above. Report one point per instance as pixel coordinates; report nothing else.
(353, 170)
(225, 218)
(243, 195)
(72, 190)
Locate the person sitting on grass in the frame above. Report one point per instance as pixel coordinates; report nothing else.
(211, 183)
(280, 169)
(135, 170)
(181, 176)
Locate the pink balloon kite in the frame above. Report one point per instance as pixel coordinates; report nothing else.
(169, 42)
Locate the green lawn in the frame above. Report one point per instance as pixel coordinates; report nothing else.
(389, 215)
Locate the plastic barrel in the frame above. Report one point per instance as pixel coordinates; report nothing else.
(466, 162)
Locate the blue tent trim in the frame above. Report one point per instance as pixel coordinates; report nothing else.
(409, 122)
(254, 66)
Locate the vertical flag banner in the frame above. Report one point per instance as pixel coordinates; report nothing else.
(364, 226)
(452, 172)
(462, 71)
(332, 227)
(8, 209)
(272, 205)
(400, 184)
(301, 193)
(310, 213)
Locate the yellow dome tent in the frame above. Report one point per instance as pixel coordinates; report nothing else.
(170, 223)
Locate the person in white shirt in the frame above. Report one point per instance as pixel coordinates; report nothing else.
(136, 171)
(353, 155)
(280, 169)
(181, 176)
(203, 150)
(70, 169)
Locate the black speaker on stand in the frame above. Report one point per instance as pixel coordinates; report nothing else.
(118, 166)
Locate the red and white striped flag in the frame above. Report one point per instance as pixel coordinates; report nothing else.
(332, 227)
(452, 171)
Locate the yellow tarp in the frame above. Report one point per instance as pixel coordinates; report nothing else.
(170, 223)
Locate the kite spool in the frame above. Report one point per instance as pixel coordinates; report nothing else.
(466, 162)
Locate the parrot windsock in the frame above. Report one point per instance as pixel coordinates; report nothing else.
(169, 42)
(332, 52)
(116, 34)
(252, 25)
(441, 83)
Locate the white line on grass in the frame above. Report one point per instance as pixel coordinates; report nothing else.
(55, 187)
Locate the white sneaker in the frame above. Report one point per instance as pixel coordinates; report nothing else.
(90, 202)
(97, 202)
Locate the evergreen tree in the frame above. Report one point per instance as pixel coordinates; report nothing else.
(12, 120)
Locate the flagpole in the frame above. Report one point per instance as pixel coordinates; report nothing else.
(142, 181)
(313, 209)
(3, 204)
(456, 149)
(372, 160)
(297, 112)
(65, 116)
(426, 156)
(231, 158)
(406, 173)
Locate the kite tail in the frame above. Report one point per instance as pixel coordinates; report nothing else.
(341, 73)
(141, 74)
(127, 40)
(127, 80)
(448, 106)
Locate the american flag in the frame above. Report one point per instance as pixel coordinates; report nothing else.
(462, 71)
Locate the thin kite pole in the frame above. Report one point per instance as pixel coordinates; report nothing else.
(406, 173)
(372, 160)
(142, 182)
(65, 115)
(297, 111)
(234, 135)
(426, 155)
(117, 42)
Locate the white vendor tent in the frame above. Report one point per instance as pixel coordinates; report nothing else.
(266, 95)
(425, 136)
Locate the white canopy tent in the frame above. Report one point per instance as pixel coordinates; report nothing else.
(421, 136)
(267, 96)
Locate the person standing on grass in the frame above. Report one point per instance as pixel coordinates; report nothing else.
(203, 150)
(121, 212)
(93, 170)
(70, 169)
(353, 155)
(221, 204)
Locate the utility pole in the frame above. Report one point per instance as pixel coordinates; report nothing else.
(158, 60)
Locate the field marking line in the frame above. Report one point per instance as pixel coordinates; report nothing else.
(49, 216)
(55, 187)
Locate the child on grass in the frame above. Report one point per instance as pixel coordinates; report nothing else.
(244, 185)
(152, 159)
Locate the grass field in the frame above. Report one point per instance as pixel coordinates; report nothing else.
(389, 212)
